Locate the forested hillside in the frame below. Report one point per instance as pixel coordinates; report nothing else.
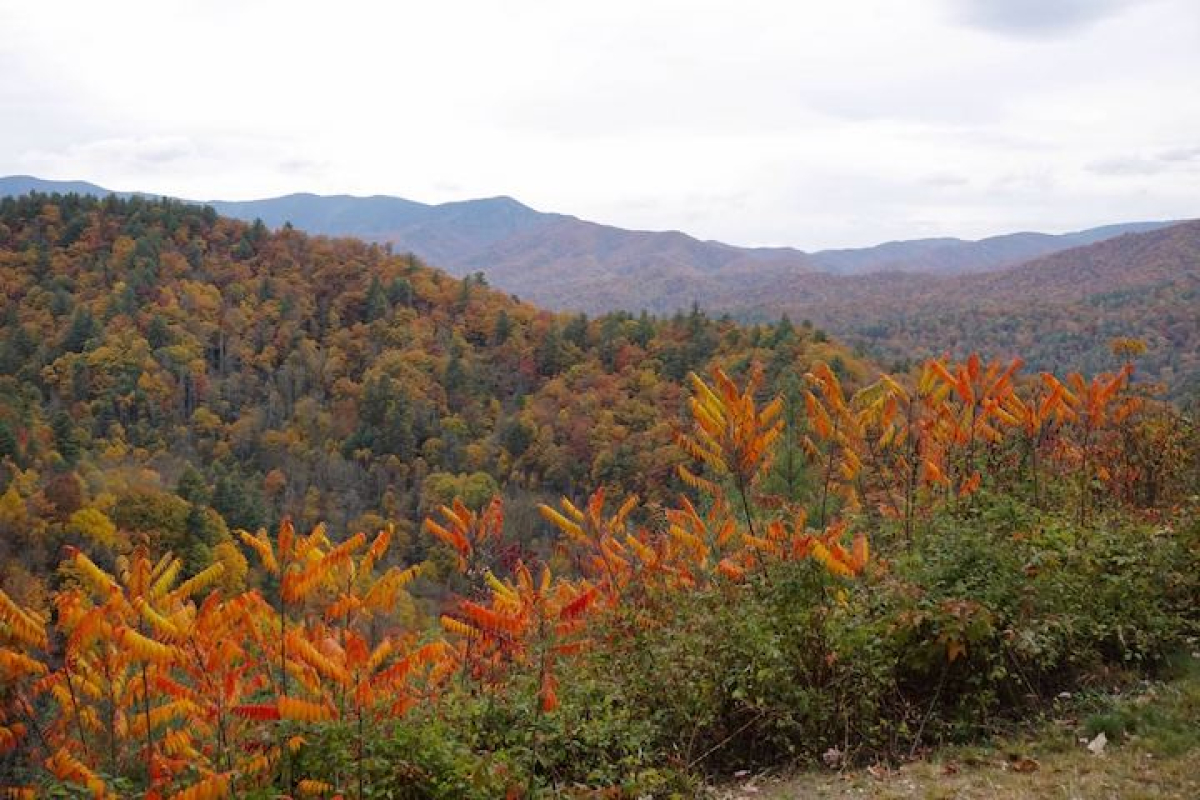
(167, 374)
(1059, 312)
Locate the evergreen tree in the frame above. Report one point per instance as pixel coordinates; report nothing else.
(83, 328)
(66, 437)
(376, 303)
(192, 487)
(502, 329)
(399, 292)
(8, 442)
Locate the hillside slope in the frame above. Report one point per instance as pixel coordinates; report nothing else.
(1059, 311)
(158, 362)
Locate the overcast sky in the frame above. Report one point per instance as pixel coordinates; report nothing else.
(813, 124)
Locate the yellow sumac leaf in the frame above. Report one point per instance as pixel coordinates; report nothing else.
(310, 787)
(165, 577)
(562, 523)
(178, 743)
(210, 788)
(24, 625)
(100, 580)
(453, 538)
(161, 625)
(303, 649)
(827, 558)
(144, 647)
(644, 552)
(499, 587)
(262, 546)
(200, 581)
(380, 654)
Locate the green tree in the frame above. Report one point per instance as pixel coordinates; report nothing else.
(67, 439)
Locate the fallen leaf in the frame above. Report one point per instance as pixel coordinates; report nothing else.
(1025, 764)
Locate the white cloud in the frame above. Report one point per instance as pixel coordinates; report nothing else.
(810, 124)
(1127, 165)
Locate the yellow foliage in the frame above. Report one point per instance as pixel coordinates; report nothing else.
(235, 567)
(13, 513)
(200, 581)
(145, 648)
(210, 788)
(24, 626)
(310, 786)
(94, 525)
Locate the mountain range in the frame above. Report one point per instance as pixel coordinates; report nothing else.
(1056, 299)
(563, 262)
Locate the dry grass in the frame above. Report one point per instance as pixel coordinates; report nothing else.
(1127, 774)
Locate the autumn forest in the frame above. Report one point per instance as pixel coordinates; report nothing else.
(289, 515)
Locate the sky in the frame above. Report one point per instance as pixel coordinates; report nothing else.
(811, 124)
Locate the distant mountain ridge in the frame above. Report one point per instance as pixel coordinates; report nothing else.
(955, 256)
(24, 184)
(562, 262)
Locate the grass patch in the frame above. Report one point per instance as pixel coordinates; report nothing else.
(1153, 751)
(1163, 720)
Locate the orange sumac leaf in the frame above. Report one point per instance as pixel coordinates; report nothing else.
(303, 710)
(210, 788)
(488, 620)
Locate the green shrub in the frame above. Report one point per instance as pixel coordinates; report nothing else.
(1003, 606)
(417, 758)
(742, 676)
